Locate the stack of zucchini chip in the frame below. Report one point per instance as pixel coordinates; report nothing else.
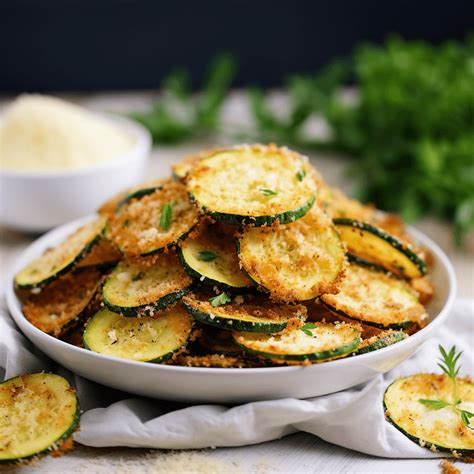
(246, 258)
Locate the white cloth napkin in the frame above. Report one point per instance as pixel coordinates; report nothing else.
(353, 418)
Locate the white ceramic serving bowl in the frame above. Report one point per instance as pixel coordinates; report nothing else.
(232, 385)
(38, 201)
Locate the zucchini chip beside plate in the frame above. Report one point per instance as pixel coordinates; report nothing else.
(212, 259)
(375, 298)
(312, 342)
(146, 339)
(375, 245)
(143, 286)
(244, 313)
(253, 185)
(63, 303)
(441, 429)
(155, 222)
(295, 262)
(38, 415)
(58, 260)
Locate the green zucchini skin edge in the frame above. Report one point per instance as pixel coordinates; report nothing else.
(209, 281)
(402, 325)
(136, 195)
(431, 446)
(381, 343)
(146, 309)
(234, 324)
(63, 270)
(362, 262)
(72, 428)
(258, 221)
(394, 242)
(342, 350)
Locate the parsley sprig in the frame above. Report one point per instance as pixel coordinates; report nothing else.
(449, 366)
(207, 255)
(166, 216)
(268, 192)
(220, 299)
(306, 328)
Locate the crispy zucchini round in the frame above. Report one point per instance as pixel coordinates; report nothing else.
(139, 227)
(141, 287)
(327, 341)
(211, 258)
(295, 262)
(375, 245)
(379, 341)
(38, 415)
(63, 303)
(438, 430)
(252, 185)
(377, 299)
(249, 313)
(146, 339)
(59, 260)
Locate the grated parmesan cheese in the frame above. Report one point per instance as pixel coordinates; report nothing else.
(41, 133)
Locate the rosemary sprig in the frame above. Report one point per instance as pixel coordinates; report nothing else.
(268, 192)
(448, 365)
(166, 216)
(306, 328)
(207, 256)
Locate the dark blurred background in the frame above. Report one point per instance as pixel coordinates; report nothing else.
(125, 44)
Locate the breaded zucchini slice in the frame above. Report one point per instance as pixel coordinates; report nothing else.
(183, 167)
(211, 258)
(141, 287)
(320, 342)
(142, 189)
(376, 298)
(244, 313)
(101, 255)
(375, 245)
(146, 339)
(212, 360)
(381, 340)
(38, 415)
(63, 303)
(295, 262)
(155, 222)
(253, 185)
(438, 430)
(58, 260)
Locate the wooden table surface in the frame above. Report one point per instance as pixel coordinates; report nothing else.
(296, 453)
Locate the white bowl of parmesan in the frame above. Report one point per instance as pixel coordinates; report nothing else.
(59, 161)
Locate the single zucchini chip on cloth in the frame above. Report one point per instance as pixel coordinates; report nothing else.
(146, 339)
(441, 429)
(38, 415)
(141, 287)
(58, 260)
(375, 298)
(321, 341)
(154, 222)
(295, 262)
(244, 313)
(377, 246)
(62, 304)
(211, 258)
(253, 185)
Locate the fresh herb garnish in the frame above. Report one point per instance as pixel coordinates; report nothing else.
(268, 192)
(126, 223)
(166, 216)
(138, 276)
(300, 175)
(207, 255)
(219, 300)
(449, 366)
(306, 328)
